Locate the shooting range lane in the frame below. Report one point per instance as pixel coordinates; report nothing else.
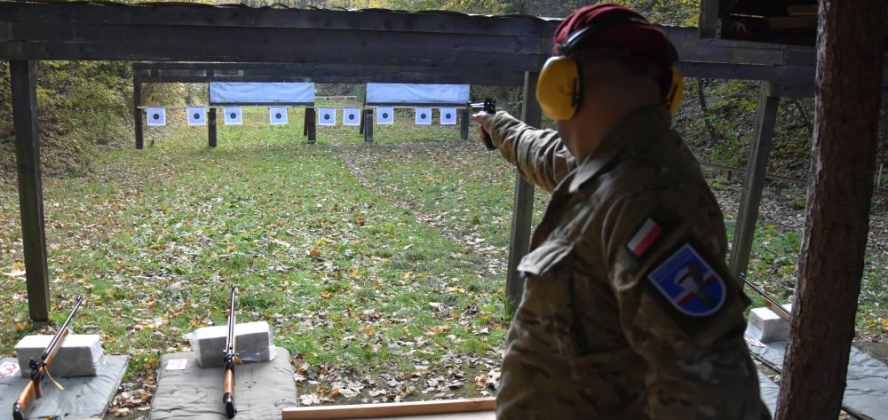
(83, 398)
(262, 390)
(866, 391)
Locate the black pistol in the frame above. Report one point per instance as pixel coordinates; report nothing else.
(489, 106)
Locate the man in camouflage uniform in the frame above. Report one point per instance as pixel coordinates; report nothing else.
(628, 309)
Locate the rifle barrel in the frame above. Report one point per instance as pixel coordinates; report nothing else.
(771, 303)
(229, 357)
(59, 334)
(33, 390)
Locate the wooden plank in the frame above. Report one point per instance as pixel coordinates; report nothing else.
(464, 123)
(30, 186)
(194, 15)
(319, 53)
(522, 210)
(414, 408)
(356, 74)
(756, 171)
(806, 90)
(708, 19)
(137, 113)
(776, 74)
(791, 22)
(466, 77)
(802, 9)
(368, 127)
(477, 415)
(311, 128)
(211, 127)
(194, 37)
(292, 40)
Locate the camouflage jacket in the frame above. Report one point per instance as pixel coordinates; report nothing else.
(628, 309)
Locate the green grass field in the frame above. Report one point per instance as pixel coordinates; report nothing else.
(380, 267)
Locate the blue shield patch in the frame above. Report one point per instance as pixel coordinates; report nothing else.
(689, 283)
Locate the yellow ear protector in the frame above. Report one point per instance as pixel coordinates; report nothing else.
(560, 84)
(673, 95)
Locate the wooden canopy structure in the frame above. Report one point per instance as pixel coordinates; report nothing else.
(345, 47)
(766, 40)
(349, 47)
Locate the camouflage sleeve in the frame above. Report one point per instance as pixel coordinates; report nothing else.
(680, 310)
(540, 156)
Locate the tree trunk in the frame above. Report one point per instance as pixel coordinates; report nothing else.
(848, 80)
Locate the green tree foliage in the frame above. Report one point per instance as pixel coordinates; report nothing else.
(80, 104)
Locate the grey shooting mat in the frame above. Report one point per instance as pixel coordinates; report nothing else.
(866, 389)
(261, 390)
(769, 391)
(83, 398)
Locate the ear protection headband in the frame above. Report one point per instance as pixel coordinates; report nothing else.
(560, 84)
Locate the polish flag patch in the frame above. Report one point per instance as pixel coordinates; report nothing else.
(645, 237)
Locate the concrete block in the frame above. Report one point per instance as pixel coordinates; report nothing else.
(766, 326)
(80, 355)
(252, 343)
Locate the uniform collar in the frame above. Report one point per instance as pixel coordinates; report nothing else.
(640, 125)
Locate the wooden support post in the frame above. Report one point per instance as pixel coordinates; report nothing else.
(368, 128)
(310, 125)
(879, 178)
(361, 125)
(709, 18)
(522, 211)
(406, 410)
(756, 171)
(211, 127)
(137, 112)
(850, 61)
(30, 186)
(464, 124)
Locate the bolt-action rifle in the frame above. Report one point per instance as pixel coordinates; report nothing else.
(488, 106)
(39, 368)
(772, 304)
(229, 359)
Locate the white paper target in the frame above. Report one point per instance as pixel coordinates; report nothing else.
(423, 116)
(156, 116)
(448, 116)
(233, 115)
(277, 115)
(385, 116)
(351, 116)
(326, 116)
(197, 116)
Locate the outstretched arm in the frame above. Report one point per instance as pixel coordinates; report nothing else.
(539, 154)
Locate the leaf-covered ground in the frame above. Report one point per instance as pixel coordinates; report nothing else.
(380, 267)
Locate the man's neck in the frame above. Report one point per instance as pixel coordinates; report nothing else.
(598, 119)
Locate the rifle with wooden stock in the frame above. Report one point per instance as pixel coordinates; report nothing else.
(229, 359)
(39, 368)
(772, 304)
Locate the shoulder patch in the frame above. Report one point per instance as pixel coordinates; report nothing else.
(689, 283)
(644, 237)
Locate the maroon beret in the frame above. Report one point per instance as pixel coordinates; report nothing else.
(616, 26)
